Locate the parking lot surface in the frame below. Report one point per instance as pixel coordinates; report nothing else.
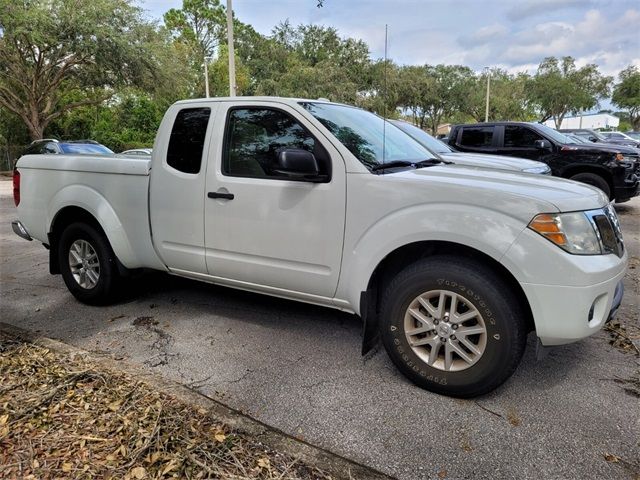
(298, 368)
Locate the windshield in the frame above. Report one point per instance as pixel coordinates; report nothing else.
(422, 137)
(576, 138)
(617, 135)
(362, 133)
(85, 148)
(554, 134)
(634, 135)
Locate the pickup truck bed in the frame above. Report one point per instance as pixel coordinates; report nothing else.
(52, 185)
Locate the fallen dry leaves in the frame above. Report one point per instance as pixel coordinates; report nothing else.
(65, 418)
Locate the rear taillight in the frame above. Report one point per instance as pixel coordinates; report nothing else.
(16, 186)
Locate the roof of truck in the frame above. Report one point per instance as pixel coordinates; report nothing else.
(253, 99)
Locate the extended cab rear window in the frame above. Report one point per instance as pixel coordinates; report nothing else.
(187, 139)
(477, 136)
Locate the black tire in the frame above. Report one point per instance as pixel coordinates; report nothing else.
(105, 289)
(594, 180)
(502, 316)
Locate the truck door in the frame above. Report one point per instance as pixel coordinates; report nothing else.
(262, 229)
(177, 185)
(520, 141)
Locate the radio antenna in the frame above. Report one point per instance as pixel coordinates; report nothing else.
(384, 96)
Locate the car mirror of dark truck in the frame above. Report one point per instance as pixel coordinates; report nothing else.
(543, 144)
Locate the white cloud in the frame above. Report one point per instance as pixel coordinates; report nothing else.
(484, 35)
(529, 8)
(610, 42)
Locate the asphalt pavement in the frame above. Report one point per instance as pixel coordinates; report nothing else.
(298, 368)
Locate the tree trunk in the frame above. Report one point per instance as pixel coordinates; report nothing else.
(558, 120)
(36, 131)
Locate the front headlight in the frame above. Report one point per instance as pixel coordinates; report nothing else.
(572, 232)
(542, 170)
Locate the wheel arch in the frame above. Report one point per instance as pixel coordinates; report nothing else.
(403, 256)
(601, 172)
(81, 203)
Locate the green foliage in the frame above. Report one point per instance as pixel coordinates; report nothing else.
(198, 22)
(559, 88)
(53, 50)
(508, 99)
(130, 120)
(97, 70)
(626, 94)
(219, 75)
(433, 92)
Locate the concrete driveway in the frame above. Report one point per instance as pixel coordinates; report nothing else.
(297, 367)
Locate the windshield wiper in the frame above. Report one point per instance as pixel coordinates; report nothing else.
(406, 163)
(393, 164)
(431, 161)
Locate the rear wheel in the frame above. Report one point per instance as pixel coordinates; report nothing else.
(452, 326)
(88, 264)
(593, 180)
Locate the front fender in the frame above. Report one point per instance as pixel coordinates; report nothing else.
(487, 231)
(92, 201)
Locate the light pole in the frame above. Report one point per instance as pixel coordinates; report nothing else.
(206, 75)
(232, 58)
(486, 110)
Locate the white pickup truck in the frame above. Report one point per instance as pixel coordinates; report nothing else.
(324, 203)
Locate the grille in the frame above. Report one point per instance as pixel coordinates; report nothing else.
(610, 232)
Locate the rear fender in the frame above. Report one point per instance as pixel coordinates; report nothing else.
(86, 198)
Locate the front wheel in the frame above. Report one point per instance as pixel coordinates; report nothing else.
(88, 264)
(452, 326)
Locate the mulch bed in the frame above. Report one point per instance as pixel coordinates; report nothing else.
(62, 417)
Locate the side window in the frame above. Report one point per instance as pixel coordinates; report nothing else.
(477, 136)
(516, 136)
(187, 139)
(49, 148)
(254, 136)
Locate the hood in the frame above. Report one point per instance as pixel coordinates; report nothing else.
(622, 141)
(516, 193)
(603, 147)
(490, 161)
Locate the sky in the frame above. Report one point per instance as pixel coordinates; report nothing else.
(512, 34)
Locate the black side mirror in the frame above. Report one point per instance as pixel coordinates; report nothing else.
(298, 164)
(543, 144)
(593, 139)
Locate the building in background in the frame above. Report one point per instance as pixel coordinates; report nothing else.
(594, 121)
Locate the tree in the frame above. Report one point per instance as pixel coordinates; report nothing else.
(626, 94)
(432, 93)
(219, 75)
(59, 55)
(508, 98)
(200, 22)
(558, 88)
(307, 61)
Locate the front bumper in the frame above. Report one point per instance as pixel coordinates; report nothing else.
(630, 187)
(617, 301)
(19, 230)
(566, 314)
(626, 192)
